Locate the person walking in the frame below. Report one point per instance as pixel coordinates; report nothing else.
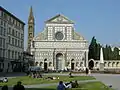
(87, 71)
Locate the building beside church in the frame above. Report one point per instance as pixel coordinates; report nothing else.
(11, 41)
(59, 46)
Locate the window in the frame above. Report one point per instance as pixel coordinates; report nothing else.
(16, 34)
(8, 54)
(18, 43)
(4, 31)
(21, 36)
(15, 42)
(21, 44)
(1, 22)
(0, 42)
(0, 30)
(8, 64)
(15, 54)
(10, 19)
(3, 52)
(9, 30)
(4, 24)
(0, 13)
(9, 38)
(13, 21)
(13, 32)
(12, 41)
(17, 24)
(5, 15)
(18, 54)
(23, 27)
(12, 54)
(0, 52)
(3, 43)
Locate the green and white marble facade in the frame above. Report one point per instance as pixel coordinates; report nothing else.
(60, 46)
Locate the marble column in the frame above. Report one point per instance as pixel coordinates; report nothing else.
(63, 62)
(86, 55)
(54, 59)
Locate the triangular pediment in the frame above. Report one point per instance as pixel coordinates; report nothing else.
(59, 19)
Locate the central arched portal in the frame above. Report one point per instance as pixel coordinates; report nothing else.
(59, 61)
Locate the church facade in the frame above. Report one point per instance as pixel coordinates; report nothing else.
(59, 46)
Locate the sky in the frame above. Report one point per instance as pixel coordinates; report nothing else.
(99, 18)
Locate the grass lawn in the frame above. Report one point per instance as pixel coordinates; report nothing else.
(29, 81)
(82, 86)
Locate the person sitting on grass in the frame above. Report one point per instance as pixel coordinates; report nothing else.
(61, 86)
(75, 84)
(19, 86)
(70, 85)
(5, 80)
(51, 78)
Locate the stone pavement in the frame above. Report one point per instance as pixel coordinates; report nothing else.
(109, 79)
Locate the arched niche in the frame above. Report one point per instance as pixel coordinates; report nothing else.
(91, 64)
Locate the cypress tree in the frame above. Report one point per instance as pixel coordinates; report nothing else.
(98, 51)
(92, 49)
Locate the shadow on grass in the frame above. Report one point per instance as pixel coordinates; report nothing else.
(40, 89)
(53, 89)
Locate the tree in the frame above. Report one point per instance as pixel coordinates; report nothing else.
(115, 53)
(98, 51)
(104, 53)
(109, 53)
(92, 49)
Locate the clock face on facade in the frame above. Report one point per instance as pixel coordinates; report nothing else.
(59, 35)
(31, 20)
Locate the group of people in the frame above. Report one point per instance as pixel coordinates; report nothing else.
(63, 86)
(35, 75)
(18, 86)
(52, 78)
